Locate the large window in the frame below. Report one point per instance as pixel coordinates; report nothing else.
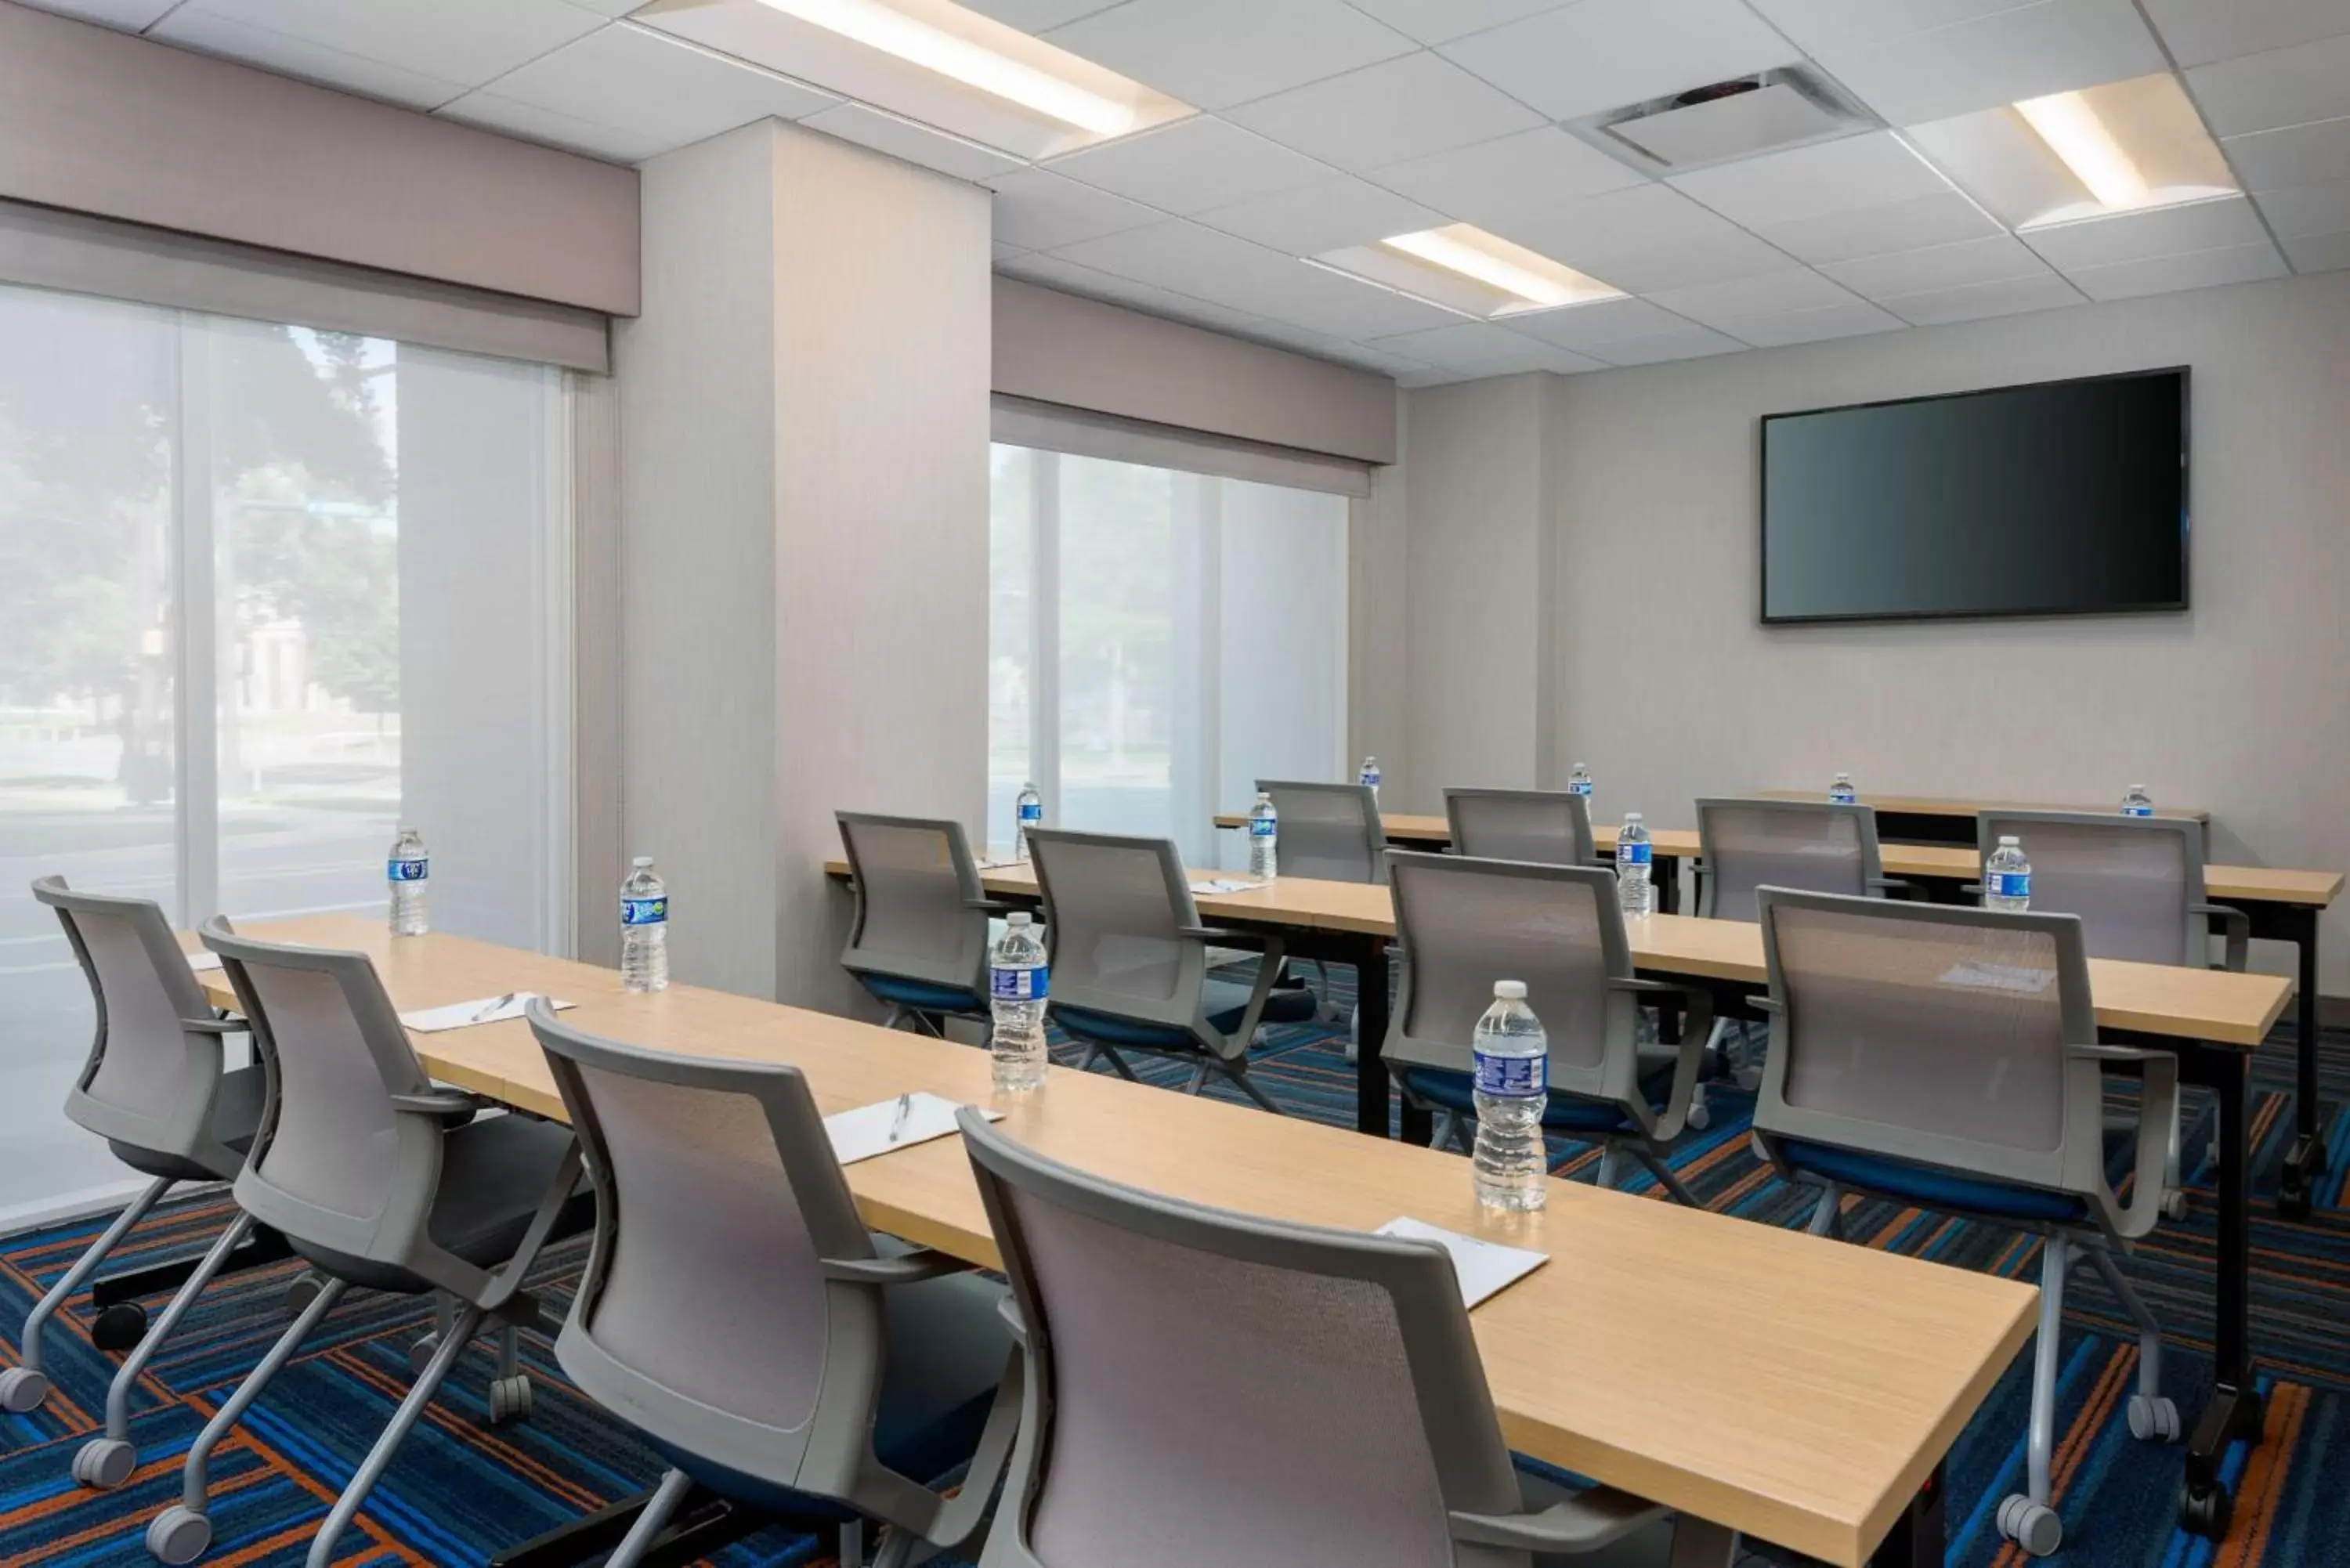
(1160, 640)
(269, 593)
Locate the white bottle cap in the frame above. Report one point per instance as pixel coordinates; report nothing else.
(404, 830)
(1510, 990)
(1017, 918)
(1632, 816)
(2008, 838)
(641, 861)
(2138, 789)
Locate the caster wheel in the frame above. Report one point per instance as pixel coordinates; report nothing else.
(2153, 1419)
(119, 1327)
(1748, 1079)
(303, 1291)
(179, 1534)
(22, 1389)
(2030, 1525)
(2204, 1509)
(2292, 1199)
(510, 1398)
(419, 1355)
(2174, 1205)
(1700, 1118)
(104, 1463)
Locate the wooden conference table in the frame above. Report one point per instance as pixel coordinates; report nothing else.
(2211, 1019)
(1815, 1415)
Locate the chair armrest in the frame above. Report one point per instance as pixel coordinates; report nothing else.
(508, 1281)
(1583, 1522)
(992, 906)
(1890, 885)
(437, 1103)
(2139, 1053)
(2236, 924)
(908, 1269)
(1972, 889)
(1008, 1309)
(1768, 1006)
(228, 1024)
(2157, 1116)
(1268, 971)
(1697, 1032)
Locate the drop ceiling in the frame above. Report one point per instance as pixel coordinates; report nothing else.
(1325, 124)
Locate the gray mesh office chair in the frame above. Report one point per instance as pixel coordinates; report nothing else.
(1130, 960)
(358, 1165)
(157, 1089)
(1330, 832)
(1467, 923)
(1947, 1057)
(919, 940)
(1548, 826)
(737, 1311)
(1307, 1396)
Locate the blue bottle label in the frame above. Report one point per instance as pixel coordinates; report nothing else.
(644, 911)
(1020, 984)
(1841, 797)
(1262, 827)
(1640, 854)
(2137, 811)
(407, 870)
(2011, 884)
(1032, 814)
(1371, 777)
(1512, 1077)
(1579, 787)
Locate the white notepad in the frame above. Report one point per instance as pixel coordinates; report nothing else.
(1225, 884)
(1483, 1268)
(482, 1010)
(204, 963)
(2022, 979)
(878, 1128)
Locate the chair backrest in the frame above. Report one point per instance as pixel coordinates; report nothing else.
(1934, 1033)
(1465, 923)
(150, 1082)
(1548, 826)
(1814, 845)
(706, 1316)
(1329, 831)
(1306, 1396)
(917, 900)
(335, 1163)
(1115, 912)
(2134, 880)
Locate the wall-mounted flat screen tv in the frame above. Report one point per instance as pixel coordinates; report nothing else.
(2062, 498)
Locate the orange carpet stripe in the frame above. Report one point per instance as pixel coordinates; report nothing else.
(475, 1437)
(2262, 1486)
(47, 1506)
(119, 1523)
(303, 1479)
(2076, 1441)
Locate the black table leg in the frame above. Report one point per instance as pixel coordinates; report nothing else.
(2234, 1412)
(2304, 1162)
(1916, 1540)
(266, 1247)
(1368, 954)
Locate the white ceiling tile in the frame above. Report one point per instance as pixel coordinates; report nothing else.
(2053, 47)
(1069, 277)
(1814, 325)
(1599, 54)
(1338, 211)
(614, 9)
(1975, 301)
(2196, 269)
(1994, 258)
(1508, 174)
(534, 123)
(1815, 182)
(1191, 166)
(1438, 21)
(1641, 239)
(2135, 236)
(1216, 53)
(1922, 220)
(904, 138)
(2319, 253)
(2298, 155)
(1037, 210)
(1031, 16)
(1302, 340)
(1346, 306)
(206, 33)
(1400, 108)
(464, 41)
(2275, 89)
(1413, 381)
(656, 89)
(123, 16)
(1367, 358)
(1209, 264)
(1816, 25)
(2200, 31)
(1739, 299)
(1588, 328)
(1001, 251)
(2298, 211)
(1464, 346)
(1689, 342)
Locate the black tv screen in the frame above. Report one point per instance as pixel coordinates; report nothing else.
(2063, 498)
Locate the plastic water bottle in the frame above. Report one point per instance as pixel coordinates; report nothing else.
(1264, 837)
(1579, 781)
(2007, 877)
(1018, 981)
(1513, 1087)
(1028, 812)
(1841, 792)
(2137, 803)
(644, 927)
(405, 871)
(1635, 894)
(1369, 776)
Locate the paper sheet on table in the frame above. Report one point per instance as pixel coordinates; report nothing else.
(1225, 884)
(2023, 979)
(482, 1010)
(864, 1132)
(1483, 1268)
(204, 963)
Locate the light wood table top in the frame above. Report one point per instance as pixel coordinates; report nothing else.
(2216, 1005)
(1796, 1389)
(1938, 805)
(1409, 829)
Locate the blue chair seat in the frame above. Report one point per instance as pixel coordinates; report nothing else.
(924, 996)
(1456, 1091)
(1224, 1002)
(1930, 1187)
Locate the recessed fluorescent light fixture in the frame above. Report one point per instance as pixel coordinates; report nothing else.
(1462, 267)
(2074, 132)
(893, 32)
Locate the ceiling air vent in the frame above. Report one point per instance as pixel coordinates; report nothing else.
(1742, 118)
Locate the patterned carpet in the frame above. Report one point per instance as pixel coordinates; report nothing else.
(462, 1488)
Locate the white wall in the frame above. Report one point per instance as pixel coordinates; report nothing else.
(1671, 688)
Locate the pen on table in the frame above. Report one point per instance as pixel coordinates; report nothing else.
(492, 1009)
(898, 1123)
